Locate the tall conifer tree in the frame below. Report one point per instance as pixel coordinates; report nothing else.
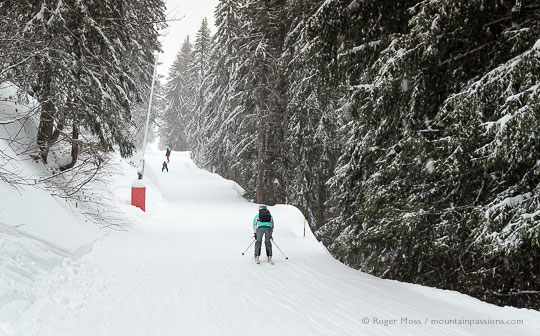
(180, 96)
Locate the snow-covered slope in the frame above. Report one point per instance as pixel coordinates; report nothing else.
(36, 213)
(31, 208)
(180, 271)
(40, 234)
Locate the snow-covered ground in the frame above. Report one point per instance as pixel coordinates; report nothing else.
(179, 270)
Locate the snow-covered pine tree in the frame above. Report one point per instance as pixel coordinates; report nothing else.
(180, 99)
(91, 62)
(221, 113)
(369, 173)
(488, 145)
(199, 67)
(416, 179)
(275, 151)
(312, 111)
(260, 80)
(244, 99)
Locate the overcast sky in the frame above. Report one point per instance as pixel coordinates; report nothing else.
(192, 13)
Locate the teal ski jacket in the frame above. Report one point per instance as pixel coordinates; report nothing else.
(258, 224)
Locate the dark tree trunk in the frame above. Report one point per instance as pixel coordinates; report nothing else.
(260, 154)
(46, 121)
(263, 112)
(45, 130)
(74, 148)
(321, 200)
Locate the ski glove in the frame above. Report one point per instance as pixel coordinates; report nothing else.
(255, 236)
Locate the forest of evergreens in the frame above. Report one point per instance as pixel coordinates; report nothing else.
(411, 128)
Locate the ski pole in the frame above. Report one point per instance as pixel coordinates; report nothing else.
(279, 248)
(248, 247)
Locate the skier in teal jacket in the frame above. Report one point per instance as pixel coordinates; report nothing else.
(263, 224)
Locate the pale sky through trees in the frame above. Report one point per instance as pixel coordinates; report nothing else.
(192, 13)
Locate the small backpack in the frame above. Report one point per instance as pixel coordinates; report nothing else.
(264, 215)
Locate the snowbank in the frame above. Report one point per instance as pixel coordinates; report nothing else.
(31, 209)
(39, 233)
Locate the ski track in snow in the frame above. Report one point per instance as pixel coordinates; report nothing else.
(180, 271)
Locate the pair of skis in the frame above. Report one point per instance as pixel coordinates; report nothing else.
(258, 261)
(271, 261)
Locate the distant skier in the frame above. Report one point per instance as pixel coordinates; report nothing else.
(168, 153)
(263, 224)
(164, 167)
